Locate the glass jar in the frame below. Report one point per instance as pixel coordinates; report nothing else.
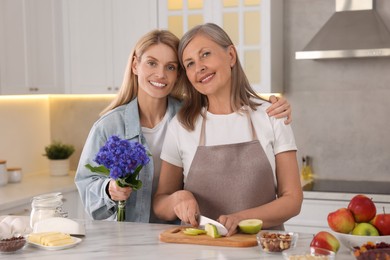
(46, 206)
(3, 173)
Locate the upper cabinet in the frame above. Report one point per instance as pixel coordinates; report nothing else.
(82, 46)
(255, 27)
(69, 46)
(99, 36)
(30, 47)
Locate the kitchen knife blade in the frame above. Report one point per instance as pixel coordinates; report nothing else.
(221, 228)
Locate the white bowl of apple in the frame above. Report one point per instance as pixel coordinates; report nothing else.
(360, 223)
(351, 241)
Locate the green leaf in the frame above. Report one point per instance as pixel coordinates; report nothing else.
(99, 169)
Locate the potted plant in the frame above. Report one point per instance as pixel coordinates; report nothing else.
(58, 155)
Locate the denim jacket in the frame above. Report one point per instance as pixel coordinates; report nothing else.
(124, 122)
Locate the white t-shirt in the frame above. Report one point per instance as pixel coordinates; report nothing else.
(154, 137)
(275, 137)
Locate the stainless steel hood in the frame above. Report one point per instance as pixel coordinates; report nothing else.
(354, 30)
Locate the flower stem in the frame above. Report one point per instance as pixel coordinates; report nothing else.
(121, 210)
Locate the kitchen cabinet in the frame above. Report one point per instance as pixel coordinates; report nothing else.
(317, 205)
(98, 38)
(69, 46)
(255, 27)
(30, 47)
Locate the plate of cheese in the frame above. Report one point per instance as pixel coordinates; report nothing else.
(52, 240)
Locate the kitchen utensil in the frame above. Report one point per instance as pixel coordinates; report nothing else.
(204, 220)
(176, 235)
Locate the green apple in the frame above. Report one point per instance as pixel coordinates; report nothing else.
(250, 226)
(212, 230)
(365, 229)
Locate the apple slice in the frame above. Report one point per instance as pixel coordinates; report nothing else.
(250, 226)
(212, 230)
(194, 231)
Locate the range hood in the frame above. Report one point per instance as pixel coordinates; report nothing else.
(354, 30)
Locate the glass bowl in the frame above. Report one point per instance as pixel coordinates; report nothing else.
(276, 241)
(10, 245)
(372, 251)
(314, 253)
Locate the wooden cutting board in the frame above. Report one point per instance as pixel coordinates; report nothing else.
(176, 235)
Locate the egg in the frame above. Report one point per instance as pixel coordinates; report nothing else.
(8, 220)
(5, 230)
(18, 226)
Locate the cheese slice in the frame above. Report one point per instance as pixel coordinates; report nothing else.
(50, 238)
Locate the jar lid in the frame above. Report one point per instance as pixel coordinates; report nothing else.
(14, 169)
(3, 161)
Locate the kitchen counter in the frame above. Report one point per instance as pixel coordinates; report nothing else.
(16, 194)
(127, 240)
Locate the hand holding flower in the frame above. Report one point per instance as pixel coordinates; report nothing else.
(118, 193)
(122, 160)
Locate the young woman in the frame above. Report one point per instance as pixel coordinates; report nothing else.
(223, 156)
(148, 99)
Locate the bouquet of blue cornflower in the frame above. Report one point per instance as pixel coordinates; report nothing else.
(122, 160)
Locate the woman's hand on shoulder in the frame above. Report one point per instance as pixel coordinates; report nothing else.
(280, 108)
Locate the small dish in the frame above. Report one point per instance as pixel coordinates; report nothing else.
(314, 253)
(11, 245)
(276, 241)
(76, 241)
(372, 251)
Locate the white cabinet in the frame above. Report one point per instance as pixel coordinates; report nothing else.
(255, 27)
(315, 210)
(30, 47)
(98, 38)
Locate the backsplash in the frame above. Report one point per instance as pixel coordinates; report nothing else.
(340, 113)
(340, 108)
(29, 123)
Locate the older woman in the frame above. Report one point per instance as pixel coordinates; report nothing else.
(223, 156)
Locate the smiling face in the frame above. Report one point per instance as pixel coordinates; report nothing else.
(208, 66)
(157, 71)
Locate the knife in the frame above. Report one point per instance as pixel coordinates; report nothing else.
(221, 228)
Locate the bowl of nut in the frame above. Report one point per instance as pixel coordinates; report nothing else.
(274, 241)
(11, 245)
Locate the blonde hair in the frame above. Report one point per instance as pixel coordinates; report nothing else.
(242, 92)
(129, 88)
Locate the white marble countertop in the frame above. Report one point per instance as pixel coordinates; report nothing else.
(126, 240)
(16, 194)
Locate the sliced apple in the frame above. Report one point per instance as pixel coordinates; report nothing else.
(250, 226)
(212, 230)
(194, 231)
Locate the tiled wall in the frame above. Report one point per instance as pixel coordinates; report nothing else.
(340, 107)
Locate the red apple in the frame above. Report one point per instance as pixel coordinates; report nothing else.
(325, 240)
(382, 223)
(362, 208)
(341, 220)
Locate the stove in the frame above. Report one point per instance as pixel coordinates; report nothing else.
(362, 187)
